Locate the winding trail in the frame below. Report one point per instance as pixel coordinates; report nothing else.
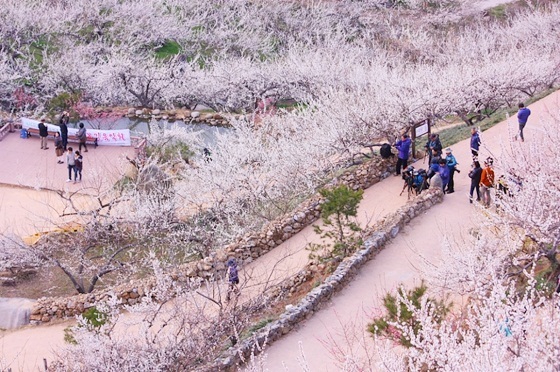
(341, 324)
(400, 262)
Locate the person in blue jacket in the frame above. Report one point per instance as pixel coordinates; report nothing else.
(451, 163)
(522, 117)
(403, 146)
(443, 173)
(475, 143)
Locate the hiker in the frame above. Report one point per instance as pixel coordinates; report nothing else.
(433, 146)
(207, 154)
(82, 136)
(43, 133)
(443, 172)
(487, 181)
(71, 162)
(78, 162)
(475, 142)
(403, 145)
(522, 116)
(474, 175)
(63, 123)
(58, 149)
(233, 277)
(451, 163)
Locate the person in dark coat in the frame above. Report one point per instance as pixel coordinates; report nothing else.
(63, 123)
(474, 175)
(43, 133)
(233, 277)
(433, 147)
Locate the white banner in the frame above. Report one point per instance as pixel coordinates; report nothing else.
(117, 137)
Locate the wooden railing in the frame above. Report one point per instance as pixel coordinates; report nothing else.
(8, 128)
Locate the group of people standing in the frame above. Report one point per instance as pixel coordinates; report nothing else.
(482, 179)
(74, 159)
(444, 166)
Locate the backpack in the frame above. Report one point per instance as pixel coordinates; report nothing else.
(385, 151)
(419, 180)
(233, 275)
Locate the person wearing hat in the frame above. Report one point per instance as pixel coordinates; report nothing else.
(451, 163)
(487, 181)
(433, 147)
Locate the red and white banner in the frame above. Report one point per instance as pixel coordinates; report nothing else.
(116, 137)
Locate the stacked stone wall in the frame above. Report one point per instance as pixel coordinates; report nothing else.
(376, 238)
(245, 250)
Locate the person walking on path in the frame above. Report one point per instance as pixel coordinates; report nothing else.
(82, 136)
(63, 123)
(58, 149)
(487, 181)
(71, 162)
(403, 145)
(475, 142)
(474, 175)
(233, 277)
(451, 163)
(522, 117)
(78, 162)
(43, 133)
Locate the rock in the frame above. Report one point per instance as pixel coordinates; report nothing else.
(195, 114)
(299, 217)
(45, 318)
(131, 111)
(138, 112)
(156, 112)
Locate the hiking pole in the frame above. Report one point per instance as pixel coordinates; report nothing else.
(404, 187)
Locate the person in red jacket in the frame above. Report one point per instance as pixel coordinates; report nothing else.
(487, 181)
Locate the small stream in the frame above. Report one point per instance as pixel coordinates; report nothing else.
(14, 312)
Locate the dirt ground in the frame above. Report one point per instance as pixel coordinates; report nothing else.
(400, 262)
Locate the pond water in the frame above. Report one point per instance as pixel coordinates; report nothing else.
(14, 312)
(141, 127)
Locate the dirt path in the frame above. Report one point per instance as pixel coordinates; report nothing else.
(25, 349)
(403, 260)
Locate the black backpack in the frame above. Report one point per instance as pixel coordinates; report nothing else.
(385, 151)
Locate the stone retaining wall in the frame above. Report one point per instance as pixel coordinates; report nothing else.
(377, 237)
(245, 250)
